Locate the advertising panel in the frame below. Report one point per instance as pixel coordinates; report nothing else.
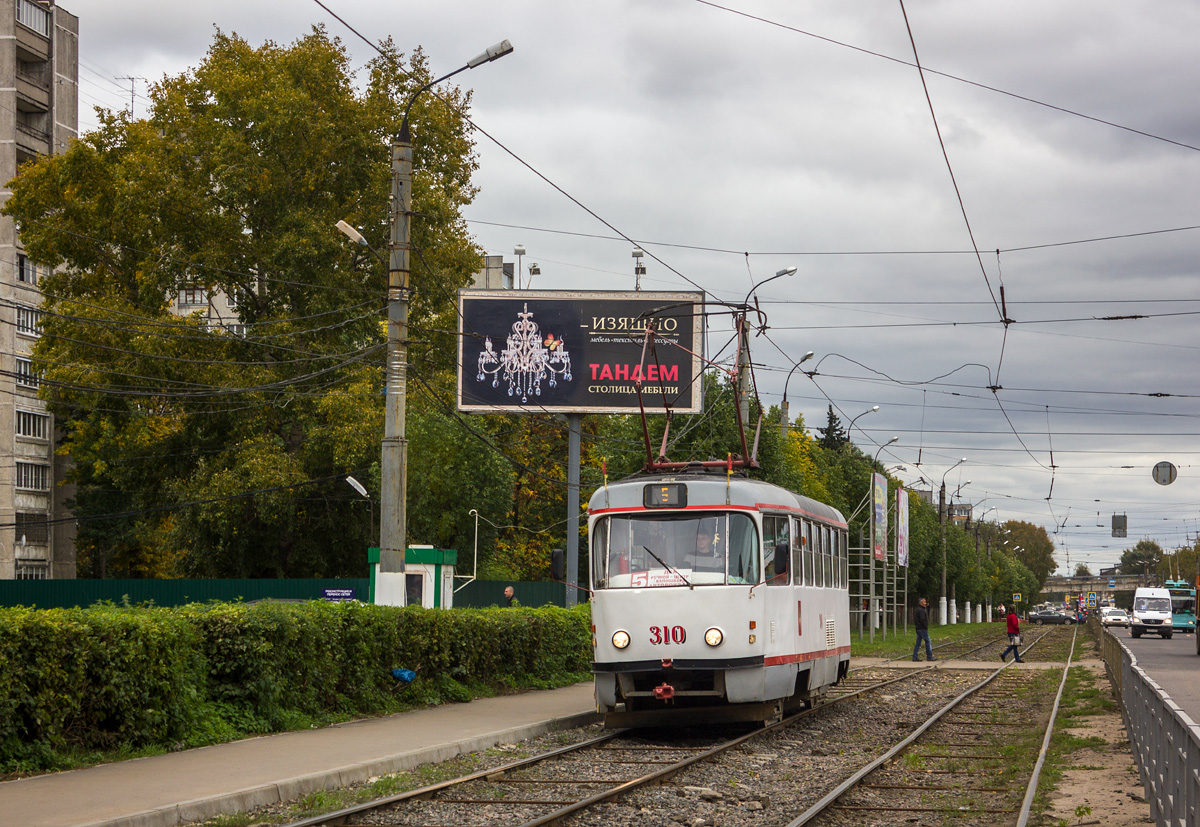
(579, 351)
(901, 527)
(879, 487)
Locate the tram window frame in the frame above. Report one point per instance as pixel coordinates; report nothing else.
(772, 525)
(810, 574)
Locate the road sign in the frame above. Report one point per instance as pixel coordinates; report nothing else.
(1112, 584)
(1017, 597)
(1091, 596)
(1164, 473)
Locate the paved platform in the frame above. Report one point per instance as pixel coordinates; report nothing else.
(196, 784)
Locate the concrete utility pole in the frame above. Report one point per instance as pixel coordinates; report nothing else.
(394, 484)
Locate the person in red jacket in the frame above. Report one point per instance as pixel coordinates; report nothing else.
(1014, 635)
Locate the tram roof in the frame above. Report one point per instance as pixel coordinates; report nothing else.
(710, 491)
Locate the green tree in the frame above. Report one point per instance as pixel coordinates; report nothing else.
(1036, 548)
(1082, 570)
(832, 435)
(232, 186)
(1143, 558)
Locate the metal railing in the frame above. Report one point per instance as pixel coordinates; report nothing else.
(1164, 738)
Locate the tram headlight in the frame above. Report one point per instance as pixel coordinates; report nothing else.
(620, 639)
(714, 637)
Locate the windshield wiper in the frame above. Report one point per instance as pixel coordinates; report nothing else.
(663, 563)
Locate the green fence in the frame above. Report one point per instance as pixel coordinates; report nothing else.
(56, 594)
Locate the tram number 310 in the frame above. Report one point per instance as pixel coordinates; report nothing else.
(667, 634)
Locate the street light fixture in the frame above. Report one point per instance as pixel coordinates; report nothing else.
(942, 520)
(394, 482)
(783, 406)
(871, 409)
(881, 447)
(744, 347)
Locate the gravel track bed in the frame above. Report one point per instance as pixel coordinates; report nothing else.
(763, 782)
(766, 781)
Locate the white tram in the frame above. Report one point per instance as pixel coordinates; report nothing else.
(715, 598)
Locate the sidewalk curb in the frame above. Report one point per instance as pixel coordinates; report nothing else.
(291, 788)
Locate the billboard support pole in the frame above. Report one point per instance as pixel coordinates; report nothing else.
(573, 424)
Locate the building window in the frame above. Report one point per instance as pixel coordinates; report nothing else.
(193, 296)
(29, 320)
(33, 16)
(33, 528)
(26, 269)
(32, 570)
(26, 377)
(35, 425)
(33, 477)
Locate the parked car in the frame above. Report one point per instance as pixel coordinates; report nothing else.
(1113, 617)
(1050, 616)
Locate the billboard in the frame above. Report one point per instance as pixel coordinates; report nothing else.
(901, 527)
(879, 487)
(579, 351)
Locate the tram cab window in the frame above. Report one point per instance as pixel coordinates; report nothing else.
(661, 550)
(776, 548)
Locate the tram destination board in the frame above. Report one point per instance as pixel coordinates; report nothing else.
(579, 351)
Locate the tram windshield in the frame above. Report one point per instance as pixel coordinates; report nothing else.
(655, 550)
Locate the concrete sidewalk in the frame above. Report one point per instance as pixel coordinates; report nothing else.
(187, 786)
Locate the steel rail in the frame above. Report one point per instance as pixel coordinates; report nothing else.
(1031, 789)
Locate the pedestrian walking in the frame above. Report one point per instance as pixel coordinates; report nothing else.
(510, 595)
(1014, 635)
(921, 622)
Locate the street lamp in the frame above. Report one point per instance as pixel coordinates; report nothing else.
(871, 409)
(942, 520)
(639, 269)
(358, 486)
(519, 252)
(744, 348)
(783, 406)
(394, 482)
(881, 447)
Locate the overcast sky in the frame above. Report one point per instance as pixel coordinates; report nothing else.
(800, 133)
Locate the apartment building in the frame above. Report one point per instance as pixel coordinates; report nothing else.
(39, 115)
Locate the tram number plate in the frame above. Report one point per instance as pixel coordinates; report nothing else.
(667, 634)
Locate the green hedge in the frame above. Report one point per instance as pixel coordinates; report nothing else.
(108, 677)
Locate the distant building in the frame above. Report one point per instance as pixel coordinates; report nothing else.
(923, 493)
(495, 275)
(39, 115)
(959, 513)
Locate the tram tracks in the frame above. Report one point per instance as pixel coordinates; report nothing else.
(966, 763)
(766, 776)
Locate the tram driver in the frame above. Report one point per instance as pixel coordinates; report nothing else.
(707, 556)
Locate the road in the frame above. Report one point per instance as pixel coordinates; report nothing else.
(1173, 664)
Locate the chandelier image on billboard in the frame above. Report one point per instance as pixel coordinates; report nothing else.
(526, 361)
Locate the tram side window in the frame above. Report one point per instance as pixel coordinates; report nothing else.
(797, 553)
(810, 575)
(845, 558)
(775, 536)
(831, 566)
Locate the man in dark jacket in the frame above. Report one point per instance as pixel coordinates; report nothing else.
(921, 621)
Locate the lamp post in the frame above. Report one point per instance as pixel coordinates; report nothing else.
(871, 409)
(394, 483)
(783, 406)
(942, 520)
(744, 348)
(358, 486)
(639, 269)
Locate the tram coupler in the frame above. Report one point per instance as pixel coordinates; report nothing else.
(664, 692)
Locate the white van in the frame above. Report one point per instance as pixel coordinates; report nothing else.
(1151, 612)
